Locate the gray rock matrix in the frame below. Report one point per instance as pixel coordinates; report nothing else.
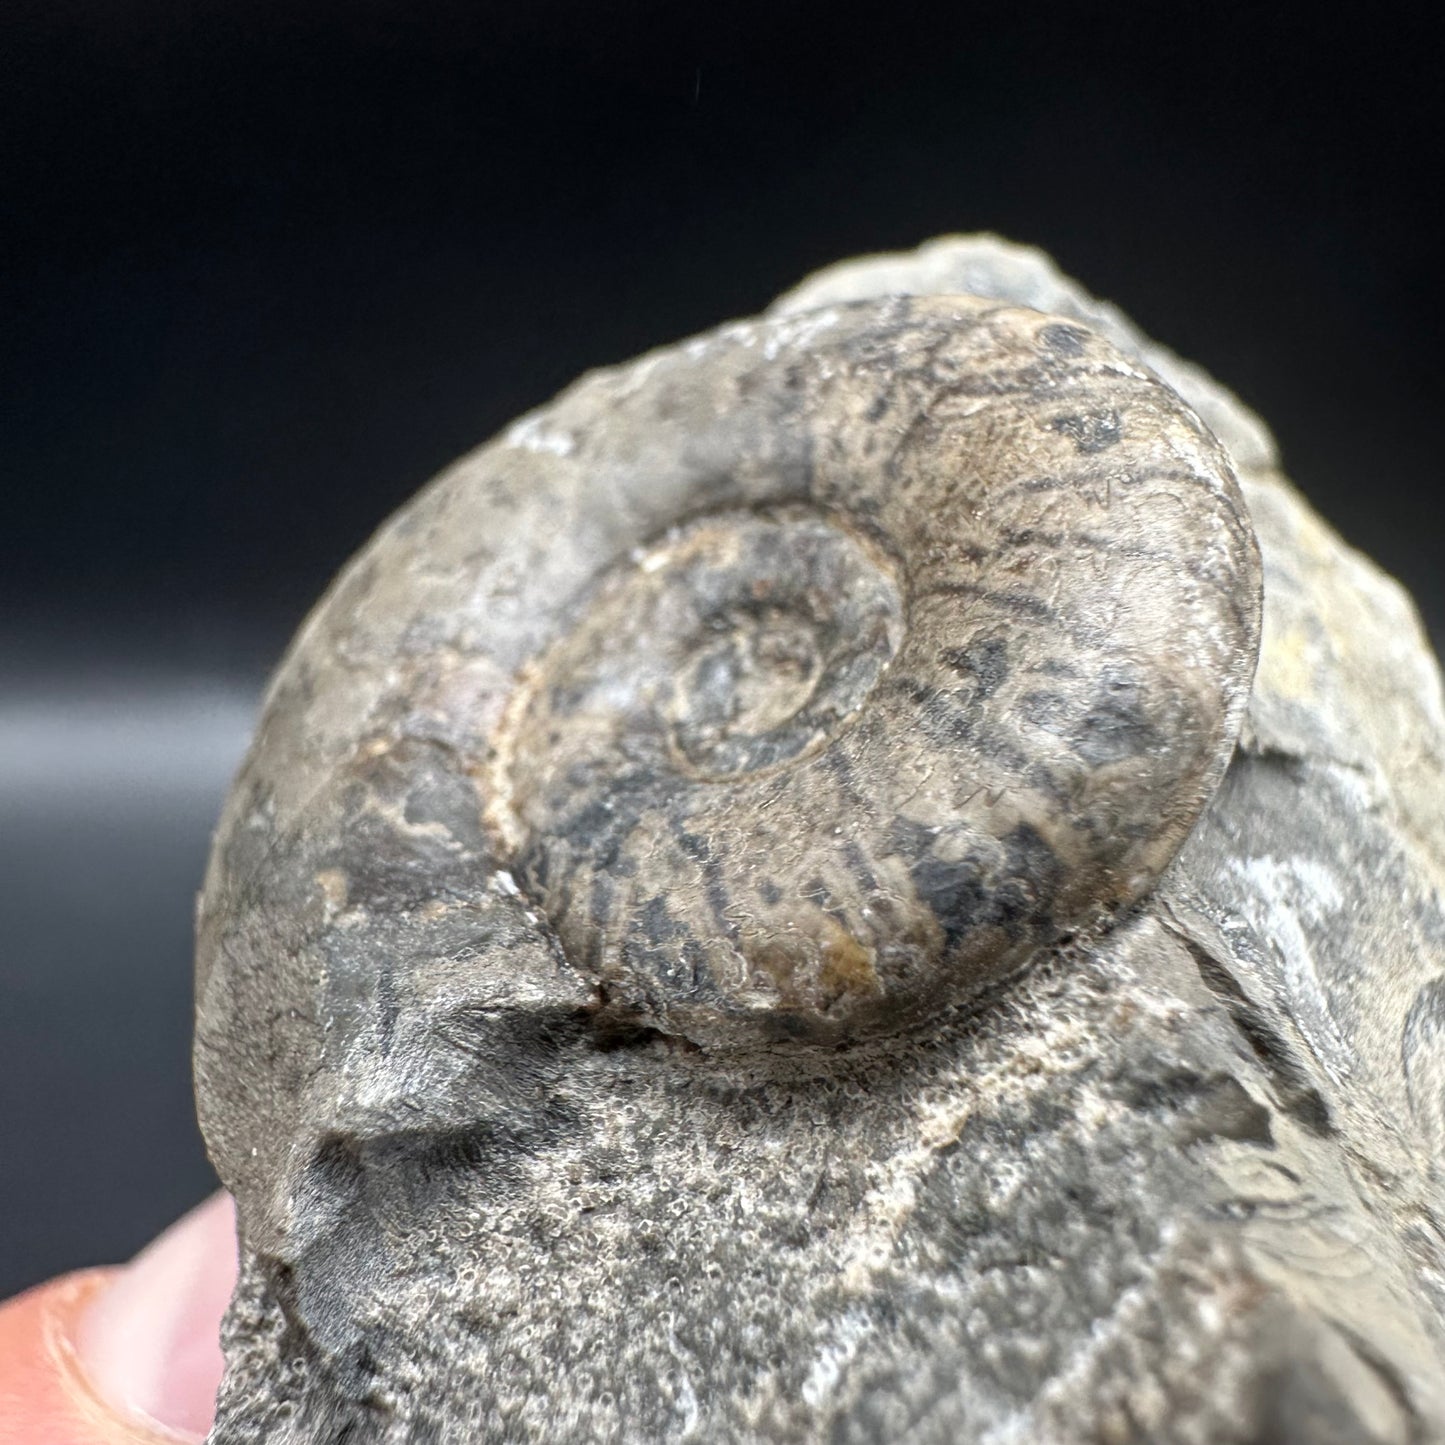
(725, 936)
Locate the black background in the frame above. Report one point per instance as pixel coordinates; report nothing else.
(270, 265)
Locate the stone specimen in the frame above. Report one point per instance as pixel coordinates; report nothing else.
(745, 918)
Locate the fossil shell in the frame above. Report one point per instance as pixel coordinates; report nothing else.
(834, 664)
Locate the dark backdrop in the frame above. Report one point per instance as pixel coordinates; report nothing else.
(268, 265)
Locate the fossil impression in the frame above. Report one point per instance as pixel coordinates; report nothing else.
(773, 903)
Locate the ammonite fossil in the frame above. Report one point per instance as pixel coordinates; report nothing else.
(688, 819)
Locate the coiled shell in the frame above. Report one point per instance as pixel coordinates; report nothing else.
(802, 680)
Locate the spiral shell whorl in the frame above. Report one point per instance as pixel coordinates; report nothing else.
(816, 673)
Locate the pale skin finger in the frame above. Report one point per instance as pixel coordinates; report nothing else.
(127, 1356)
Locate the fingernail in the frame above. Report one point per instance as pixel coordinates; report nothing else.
(150, 1341)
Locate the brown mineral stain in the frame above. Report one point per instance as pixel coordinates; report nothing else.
(779, 963)
(814, 973)
(1286, 667)
(332, 883)
(847, 964)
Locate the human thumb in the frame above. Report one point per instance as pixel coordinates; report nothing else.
(127, 1356)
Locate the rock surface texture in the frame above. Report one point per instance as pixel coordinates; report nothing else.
(745, 920)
